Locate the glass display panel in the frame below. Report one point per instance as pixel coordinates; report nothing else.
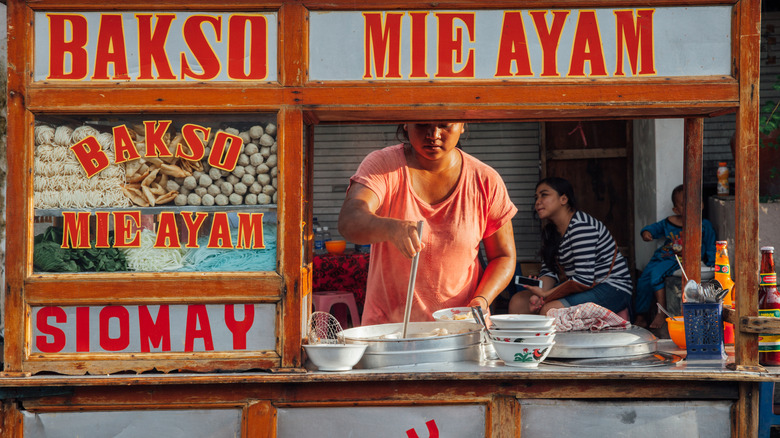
(155, 193)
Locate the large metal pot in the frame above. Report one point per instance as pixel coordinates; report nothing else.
(424, 343)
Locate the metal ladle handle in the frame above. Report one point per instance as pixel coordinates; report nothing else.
(412, 277)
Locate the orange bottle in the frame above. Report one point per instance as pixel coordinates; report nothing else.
(723, 275)
(723, 270)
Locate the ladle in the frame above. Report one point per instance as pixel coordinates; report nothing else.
(662, 309)
(412, 278)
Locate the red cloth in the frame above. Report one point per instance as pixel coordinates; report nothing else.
(341, 272)
(587, 316)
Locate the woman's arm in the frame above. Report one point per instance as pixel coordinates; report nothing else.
(359, 223)
(502, 260)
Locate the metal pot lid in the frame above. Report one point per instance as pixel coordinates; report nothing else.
(657, 359)
(632, 341)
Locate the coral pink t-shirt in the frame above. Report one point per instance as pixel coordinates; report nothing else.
(448, 270)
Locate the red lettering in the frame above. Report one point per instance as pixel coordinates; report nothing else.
(635, 35)
(197, 316)
(433, 430)
(223, 155)
(126, 232)
(154, 131)
(549, 39)
(151, 46)
(82, 329)
(75, 228)
(193, 225)
(513, 47)
(122, 341)
(239, 328)
(124, 146)
(382, 45)
(237, 51)
(101, 234)
(167, 231)
(154, 334)
(451, 45)
(90, 155)
(220, 231)
(196, 40)
(587, 47)
(111, 49)
(57, 342)
(196, 143)
(60, 47)
(250, 231)
(419, 44)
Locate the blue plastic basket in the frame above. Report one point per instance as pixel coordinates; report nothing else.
(704, 331)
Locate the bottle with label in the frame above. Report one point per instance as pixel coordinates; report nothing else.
(723, 270)
(723, 179)
(325, 236)
(319, 241)
(768, 305)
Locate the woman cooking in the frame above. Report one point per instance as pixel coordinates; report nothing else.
(580, 260)
(461, 201)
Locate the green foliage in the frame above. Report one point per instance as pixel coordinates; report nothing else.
(48, 256)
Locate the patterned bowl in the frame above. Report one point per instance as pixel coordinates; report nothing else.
(534, 336)
(454, 314)
(522, 354)
(522, 322)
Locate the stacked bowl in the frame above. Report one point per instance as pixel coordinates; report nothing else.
(522, 340)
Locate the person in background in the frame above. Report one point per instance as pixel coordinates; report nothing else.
(650, 286)
(461, 201)
(580, 260)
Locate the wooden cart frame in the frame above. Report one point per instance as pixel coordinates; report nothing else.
(300, 104)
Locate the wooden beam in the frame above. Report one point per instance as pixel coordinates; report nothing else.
(759, 324)
(692, 199)
(746, 179)
(584, 154)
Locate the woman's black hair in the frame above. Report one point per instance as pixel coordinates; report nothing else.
(551, 240)
(403, 136)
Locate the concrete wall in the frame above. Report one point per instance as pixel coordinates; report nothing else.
(658, 169)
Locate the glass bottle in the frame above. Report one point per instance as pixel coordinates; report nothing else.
(723, 270)
(768, 305)
(723, 179)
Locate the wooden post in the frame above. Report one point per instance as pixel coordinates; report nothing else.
(692, 180)
(746, 181)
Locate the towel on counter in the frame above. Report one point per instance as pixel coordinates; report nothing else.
(587, 316)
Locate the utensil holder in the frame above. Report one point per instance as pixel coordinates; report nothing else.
(704, 331)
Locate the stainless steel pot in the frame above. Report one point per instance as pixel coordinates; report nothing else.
(424, 343)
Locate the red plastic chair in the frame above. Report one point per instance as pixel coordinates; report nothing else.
(324, 302)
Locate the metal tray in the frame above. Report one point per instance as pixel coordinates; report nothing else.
(633, 341)
(420, 345)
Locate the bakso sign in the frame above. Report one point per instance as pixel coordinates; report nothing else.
(520, 44)
(163, 46)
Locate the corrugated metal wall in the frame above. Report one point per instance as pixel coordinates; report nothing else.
(718, 130)
(510, 148)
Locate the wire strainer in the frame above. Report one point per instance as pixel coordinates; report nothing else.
(324, 328)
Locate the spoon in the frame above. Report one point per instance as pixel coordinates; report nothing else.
(662, 309)
(479, 316)
(691, 292)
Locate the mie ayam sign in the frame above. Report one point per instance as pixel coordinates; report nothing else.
(520, 44)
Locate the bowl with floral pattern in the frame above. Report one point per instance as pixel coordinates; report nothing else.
(522, 354)
(534, 336)
(522, 322)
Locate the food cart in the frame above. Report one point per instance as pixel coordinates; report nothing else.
(161, 343)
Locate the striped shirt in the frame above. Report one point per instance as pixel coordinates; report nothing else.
(585, 253)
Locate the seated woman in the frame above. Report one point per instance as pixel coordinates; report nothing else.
(580, 260)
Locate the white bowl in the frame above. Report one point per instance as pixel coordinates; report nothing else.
(335, 357)
(530, 336)
(521, 354)
(454, 314)
(524, 322)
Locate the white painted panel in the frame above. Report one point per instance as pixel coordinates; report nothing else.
(636, 419)
(194, 423)
(385, 421)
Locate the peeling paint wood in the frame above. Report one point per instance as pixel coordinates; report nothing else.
(759, 324)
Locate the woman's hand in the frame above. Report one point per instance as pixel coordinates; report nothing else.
(403, 235)
(481, 302)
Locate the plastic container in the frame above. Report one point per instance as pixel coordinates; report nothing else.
(336, 246)
(704, 331)
(326, 234)
(319, 242)
(676, 329)
(723, 179)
